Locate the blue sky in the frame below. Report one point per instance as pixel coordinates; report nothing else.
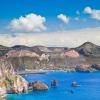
(10, 9)
(38, 16)
(49, 8)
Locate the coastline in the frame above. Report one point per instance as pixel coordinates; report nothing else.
(64, 87)
(44, 71)
(32, 72)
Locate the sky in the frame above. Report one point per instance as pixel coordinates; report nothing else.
(49, 22)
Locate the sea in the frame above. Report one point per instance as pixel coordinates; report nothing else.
(88, 86)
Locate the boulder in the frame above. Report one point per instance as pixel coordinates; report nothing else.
(39, 86)
(53, 83)
(74, 84)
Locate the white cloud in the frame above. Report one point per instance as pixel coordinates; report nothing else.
(64, 38)
(63, 18)
(28, 23)
(95, 14)
(88, 10)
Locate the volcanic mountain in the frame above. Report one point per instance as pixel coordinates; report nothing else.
(88, 53)
(89, 49)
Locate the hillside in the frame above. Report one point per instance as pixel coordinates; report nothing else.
(4, 50)
(89, 49)
(42, 57)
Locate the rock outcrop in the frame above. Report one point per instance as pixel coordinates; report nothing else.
(72, 53)
(74, 84)
(21, 53)
(39, 86)
(9, 81)
(83, 69)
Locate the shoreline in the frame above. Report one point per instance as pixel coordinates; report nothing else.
(45, 71)
(51, 70)
(32, 72)
(40, 71)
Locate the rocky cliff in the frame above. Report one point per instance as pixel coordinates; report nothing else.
(9, 81)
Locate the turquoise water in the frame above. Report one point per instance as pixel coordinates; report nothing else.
(88, 89)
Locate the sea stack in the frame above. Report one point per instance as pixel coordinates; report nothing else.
(39, 86)
(54, 83)
(74, 84)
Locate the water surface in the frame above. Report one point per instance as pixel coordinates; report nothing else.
(88, 89)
